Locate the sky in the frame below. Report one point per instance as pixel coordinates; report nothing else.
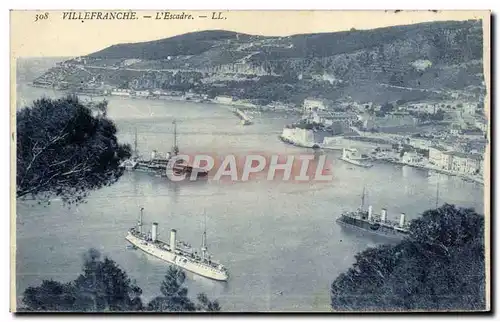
(57, 37)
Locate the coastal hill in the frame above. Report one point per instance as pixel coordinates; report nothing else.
(411, 62)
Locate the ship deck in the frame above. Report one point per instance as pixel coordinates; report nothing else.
(377, 220)
(181, 248)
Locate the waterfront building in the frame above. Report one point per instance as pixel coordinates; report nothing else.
(298, 136)
(411, 157)
(224, 99)
(313, 105)
(436, 156)
(464, 163)
(120, 92)
(141, 93)
(340, 119)
(420, 143)
(469, 108)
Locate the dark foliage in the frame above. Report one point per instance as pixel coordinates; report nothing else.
(174, 296)
(103, 286)
(49, 296)
(439, 267)
(66, 148)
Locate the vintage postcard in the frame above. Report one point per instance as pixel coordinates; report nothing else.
(250, 161)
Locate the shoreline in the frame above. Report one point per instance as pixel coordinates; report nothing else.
(432, 169)
(468, 178)
(285, 140)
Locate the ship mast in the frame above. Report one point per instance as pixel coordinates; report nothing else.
(437, 195)
(175, 149)
(135, 144)
(140, 221)
(363, 199)
(204, 238)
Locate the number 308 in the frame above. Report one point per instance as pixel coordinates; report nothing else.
(43, 16)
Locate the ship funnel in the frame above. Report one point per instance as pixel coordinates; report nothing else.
(370, 212)
(154, 232)
(173, 232)
(153, 155)
(402, 220)
(383, 215)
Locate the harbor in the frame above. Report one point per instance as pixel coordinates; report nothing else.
(246, 230)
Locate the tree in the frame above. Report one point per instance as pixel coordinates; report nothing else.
(66, 148)
(103, 286)
(49, 296)
(386, 108)
(206, 305)
(174, 296)
(440, 266)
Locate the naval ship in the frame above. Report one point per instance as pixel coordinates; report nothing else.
(375, 223)
(177, 252)
(158, 164)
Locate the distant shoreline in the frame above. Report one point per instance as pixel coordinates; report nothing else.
(423, 167)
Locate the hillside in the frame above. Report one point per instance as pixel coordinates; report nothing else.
(402, 62)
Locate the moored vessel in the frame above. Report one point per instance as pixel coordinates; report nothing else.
(375, 223)
(351, 156)
(177, 252)
(158, 164)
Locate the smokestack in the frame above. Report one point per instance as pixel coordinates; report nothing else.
(370, 212)
(172, 239)
(402, 220)
(154, 232)
(383, 216)
(153, 155)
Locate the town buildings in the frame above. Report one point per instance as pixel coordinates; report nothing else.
(463, 163)
(313, 105)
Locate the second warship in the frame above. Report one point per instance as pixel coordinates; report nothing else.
(158, 164)
(375, 223)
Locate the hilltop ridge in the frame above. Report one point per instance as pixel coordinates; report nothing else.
(400, 62)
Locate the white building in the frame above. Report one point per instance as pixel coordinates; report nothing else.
(313, 105)
(469, 108)
(120, 92)
(420, 143)
(343, 119)
(224, 99)
(436, 156)
(298, 136)
(411, 157)
(465, 163)
(142, 93)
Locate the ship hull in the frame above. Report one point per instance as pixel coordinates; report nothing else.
(298, 144)
(356, 162)
(374, 228)
(179, 260)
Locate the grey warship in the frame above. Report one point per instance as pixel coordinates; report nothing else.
(375, 223)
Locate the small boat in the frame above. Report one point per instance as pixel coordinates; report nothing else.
(349, 155)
